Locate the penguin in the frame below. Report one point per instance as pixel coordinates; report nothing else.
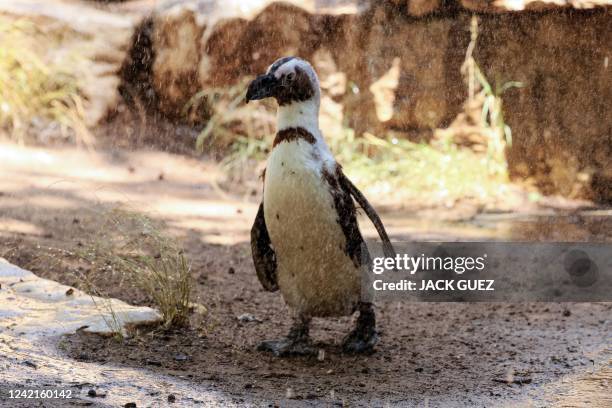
(305, 239)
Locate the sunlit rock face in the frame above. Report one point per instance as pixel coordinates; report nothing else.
(397, 65)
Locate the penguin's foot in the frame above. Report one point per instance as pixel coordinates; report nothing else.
(359, 342)
(297, 342)
(364, 337)
(288, 347)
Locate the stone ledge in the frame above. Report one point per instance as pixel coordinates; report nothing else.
(33, 306)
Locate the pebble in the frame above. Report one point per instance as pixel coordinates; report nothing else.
(247, 318)
(181, 357)
(30, 364)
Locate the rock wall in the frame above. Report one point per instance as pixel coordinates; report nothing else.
(561, 118)
(413, 51)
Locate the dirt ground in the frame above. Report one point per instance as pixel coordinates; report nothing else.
(430, 354)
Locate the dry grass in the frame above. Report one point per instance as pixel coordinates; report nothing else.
(104, 306)
(232, 121)
(241, 133)
(36, 93)
(133, 246)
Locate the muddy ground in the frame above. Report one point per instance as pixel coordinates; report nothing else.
(434, 354)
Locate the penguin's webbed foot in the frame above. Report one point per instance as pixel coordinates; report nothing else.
(363, 338)
(297, 342)
(359, 343)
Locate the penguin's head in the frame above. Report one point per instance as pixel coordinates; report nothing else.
(288, 80)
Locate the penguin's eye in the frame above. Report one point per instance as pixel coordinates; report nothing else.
(290, 76)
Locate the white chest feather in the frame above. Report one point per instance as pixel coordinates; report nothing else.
(315, 275)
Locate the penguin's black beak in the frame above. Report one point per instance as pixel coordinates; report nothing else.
(263, 86)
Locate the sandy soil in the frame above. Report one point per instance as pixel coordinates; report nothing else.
(429, 355)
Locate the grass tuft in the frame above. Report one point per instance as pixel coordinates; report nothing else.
(231, 121)
(497, 133)
(36, 93)
(133, 245)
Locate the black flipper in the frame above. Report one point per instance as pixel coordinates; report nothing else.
(264, 257)
(369, 210)
(347, 218)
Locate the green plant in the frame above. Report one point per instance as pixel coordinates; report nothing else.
(498, 133)
(429, 174)
(33, 89)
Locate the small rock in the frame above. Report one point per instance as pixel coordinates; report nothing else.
(247, 318)
(83, 357)
(514, 380)
(231, 270)
(70, 292)
(171, 398)
(321, 355)
(92, 393)
(290, 394)
(567, 313)
(30, 364)
(181, 357)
